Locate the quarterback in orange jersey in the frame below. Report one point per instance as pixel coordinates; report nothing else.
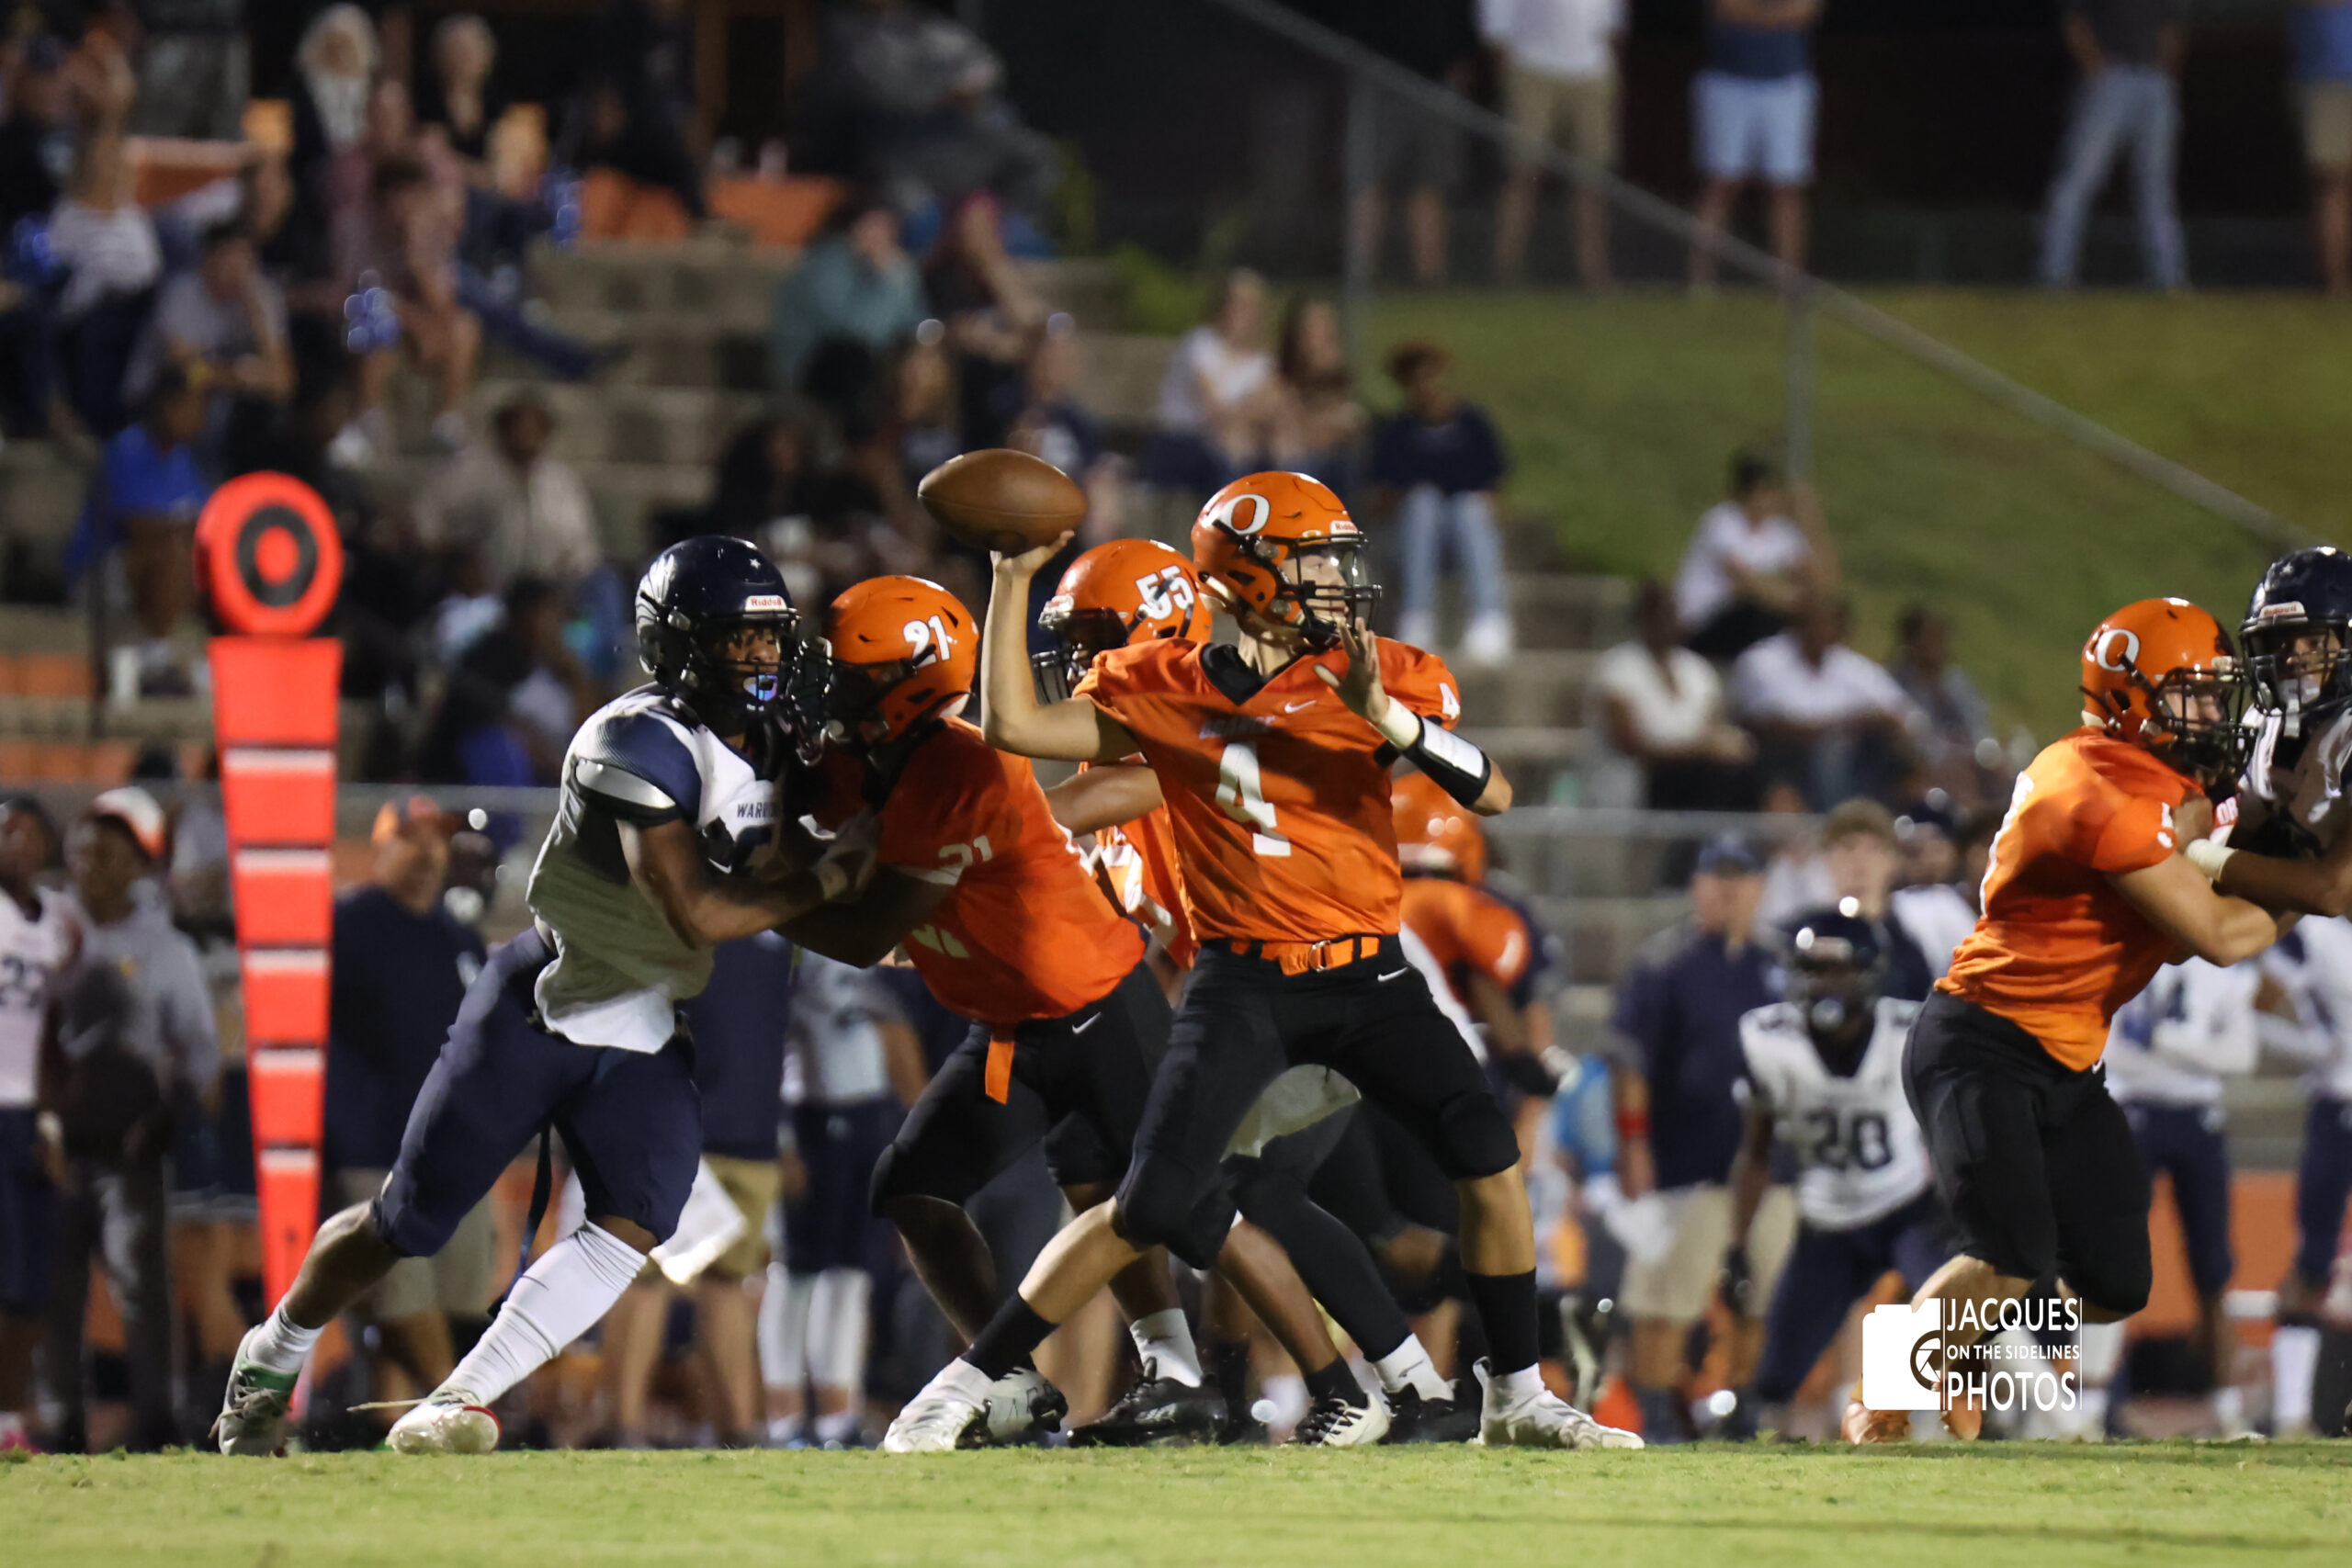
(2089, 893)
(1273, 756)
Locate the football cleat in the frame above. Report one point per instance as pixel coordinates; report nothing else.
(1154, 1413)
(1336, 1424)
(1860, 1425)
(1541, 1420)
(256, 1407)
(447, 1422)
(937, 1421)
(1021, 1408)
(1412, 1419)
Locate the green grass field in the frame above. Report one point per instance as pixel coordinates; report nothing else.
(1459, 1507)
(1622, 409)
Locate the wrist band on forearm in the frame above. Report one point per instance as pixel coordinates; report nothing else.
(1459, 768)
(2209, 857)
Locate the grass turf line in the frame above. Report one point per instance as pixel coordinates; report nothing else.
(1998, 1504)
(1621, 411)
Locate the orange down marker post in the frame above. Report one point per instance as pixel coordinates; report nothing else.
(269, 557)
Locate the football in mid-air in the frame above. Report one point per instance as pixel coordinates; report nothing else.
(1003, 500)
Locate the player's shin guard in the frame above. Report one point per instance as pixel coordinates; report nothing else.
(2294, 1365)
(558, 1299)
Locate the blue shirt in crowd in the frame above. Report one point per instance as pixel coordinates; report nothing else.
(1762, 54)
(397, 981)
(1679, 1006)
(134, 477)
(1459, 455)
(739, 1025)
(2321, 37)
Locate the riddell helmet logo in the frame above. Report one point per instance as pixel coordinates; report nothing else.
(2116, 649)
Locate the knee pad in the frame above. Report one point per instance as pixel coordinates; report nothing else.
(1477, 1138)
(406, 1229)
(2122, 1289)
(1159, 1206)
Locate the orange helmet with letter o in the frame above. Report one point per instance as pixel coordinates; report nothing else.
(905, 651)
(1435, 834)
(1283, 546)
(1128, 591)
(2163, 674)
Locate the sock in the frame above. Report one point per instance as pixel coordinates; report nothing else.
(560, 1298)
(1008, 1339)
(12, 1425)
(1508, 1389)
(1661, 1415)
(784, 1327)
(1335, 1381)
(2090, 1409)
(785, 1429)
(837, 1427)
(2229, 1409)
(1506, 1304)
(280, 1343)
(1409, 1366)
(1165, 1342)
(1286, 1392)
(2294, 1363)
(1228, 1360)
(838, 1329)
(2101, 1351)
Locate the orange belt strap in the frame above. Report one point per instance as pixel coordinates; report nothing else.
(1301, 957)
(997, 1081)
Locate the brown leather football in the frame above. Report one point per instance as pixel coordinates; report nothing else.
(1003, 500)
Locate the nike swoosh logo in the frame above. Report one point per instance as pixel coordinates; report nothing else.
(1393, 972)
(1294, 707)
(1083, 1028)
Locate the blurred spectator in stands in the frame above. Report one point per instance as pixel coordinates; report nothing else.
(334, 70)
(135, 1036)
(1043, 415)
(2128, 53)
(1936, 911)
(1438, 462)
(1217, 395)
(37, 136)
(1749, 561)
(1663, 723)
(225, 322)
(852, 298)
(40, 948)
(639, 110)
(2321, 37)
(924, 406)
(523, 511)
(404, 241)
(1317, 427)
(738, 1027)
(1859, 862)
(137, 527)
(909, 99)
(992, 315)
(105, 242)
(1415, 150)
(1753, 106)
(514, 700)
(1829, 720)
(1559, 60)
(195, 69)
(458, 99)
(1678, 1067)
(852, 1065)
(1955, 736)
(402, 963)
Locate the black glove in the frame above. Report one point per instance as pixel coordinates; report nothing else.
(800, 710)
(1737, 1281)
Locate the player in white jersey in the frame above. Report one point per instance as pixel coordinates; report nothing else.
(1825, 1076)
(668, 795)
(2313, 964)
(2169, 1054)
(847, 1047)
(37, 942)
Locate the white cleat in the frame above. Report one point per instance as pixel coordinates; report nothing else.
(447, 1422)
(1336, 1424)
(257, 1408)
(931, 1423)
(1022, 1405)
(1542, 1421)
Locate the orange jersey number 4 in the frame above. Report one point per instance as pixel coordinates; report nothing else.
(1241, 795)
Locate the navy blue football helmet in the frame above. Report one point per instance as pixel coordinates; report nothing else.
(1835, 966)
(697, 595)
(2297, 635)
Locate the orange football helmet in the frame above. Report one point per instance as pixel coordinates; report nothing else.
(1126, 592)
(1280, 545)
(905, 651)
(2163, 674)
(1435, 834)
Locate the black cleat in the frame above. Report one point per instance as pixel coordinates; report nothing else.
(1412, 1419)
(1154, 1413)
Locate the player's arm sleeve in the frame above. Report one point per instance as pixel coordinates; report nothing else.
(1426, 687)
(635, 767)
(1110, 682)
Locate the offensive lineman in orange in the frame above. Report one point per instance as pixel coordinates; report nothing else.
(1486, 947)
(2088, 892)
(1274, 757)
